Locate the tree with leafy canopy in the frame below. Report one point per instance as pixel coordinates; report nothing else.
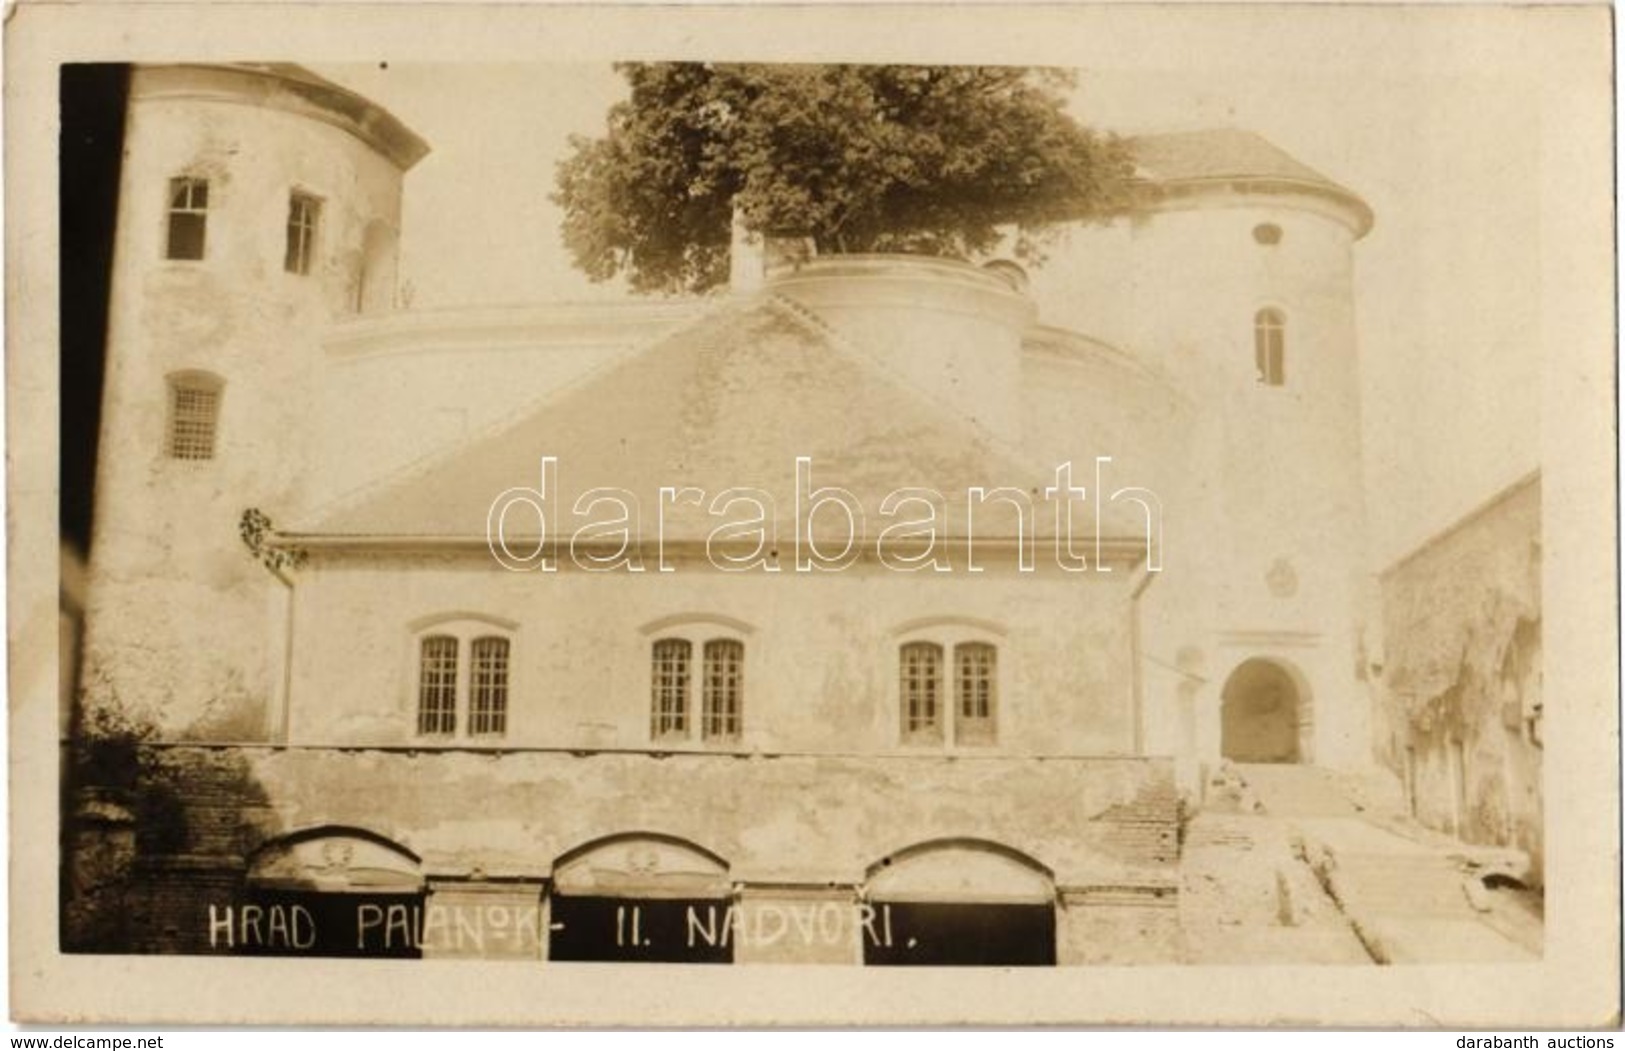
(929, 159)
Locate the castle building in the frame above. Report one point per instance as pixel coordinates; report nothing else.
(886, 610)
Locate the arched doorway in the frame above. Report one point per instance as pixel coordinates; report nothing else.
(1261, 714)
(641, 898)
(959, 902)
(328, 891)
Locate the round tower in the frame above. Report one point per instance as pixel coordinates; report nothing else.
(1233, 275)
(258, 203)
(945, 328)
(1244, 287)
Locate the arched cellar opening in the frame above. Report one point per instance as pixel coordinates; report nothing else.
(959, 903)
(1263, 713)
(329, 891)
(641, 898)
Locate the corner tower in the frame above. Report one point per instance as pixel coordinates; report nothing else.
(258, 203)
(1244, 281)
(1233, 275)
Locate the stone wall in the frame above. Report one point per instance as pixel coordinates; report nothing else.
(792, 833)
(1460, 699)
(178, 618)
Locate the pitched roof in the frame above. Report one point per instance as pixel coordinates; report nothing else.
(730, 401)
(1217, 154)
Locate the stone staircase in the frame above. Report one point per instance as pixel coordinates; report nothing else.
(1399, 885)
(1248, 897)
(1405, 889)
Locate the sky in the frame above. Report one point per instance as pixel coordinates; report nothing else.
(1433, 121)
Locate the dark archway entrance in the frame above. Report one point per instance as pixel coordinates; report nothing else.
(641, 898)
(328, 891)
(959, 903)
(1260, 715)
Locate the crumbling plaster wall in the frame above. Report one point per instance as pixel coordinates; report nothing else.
(1460, 700)
(821, 650)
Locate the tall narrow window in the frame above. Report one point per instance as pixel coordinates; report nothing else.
(669, 705)
(724, 689)
(976, 689)
(437, 685)
(194, 416)
(188, 218)
(1269, 346)
(303, 212)
(921, 691)
(488, 695)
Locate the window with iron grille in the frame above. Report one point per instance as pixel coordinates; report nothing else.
(669, 704)
(437, 685)
(921, 691)
(188, 218)
(194, 415)
(488, 695)
(464, 677)
(1269, 346)
(976, 688)
(303, 213)
(724, 689)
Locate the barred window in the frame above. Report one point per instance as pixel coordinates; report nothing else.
(464, 676)
(488, 699)
(437, 685)
(976, 687)
(1269, 346)
(194, 414)
(669, 705)
(303, 212)
(724, 689)
(921, 690)
(188, 218)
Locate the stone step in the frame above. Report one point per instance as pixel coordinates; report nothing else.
(1401, 883)
(1291, 790)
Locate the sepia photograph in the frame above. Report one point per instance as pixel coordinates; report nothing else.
(921, 514)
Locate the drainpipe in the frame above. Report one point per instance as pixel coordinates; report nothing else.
(284, 732)
(1147, 576)
(285, 686)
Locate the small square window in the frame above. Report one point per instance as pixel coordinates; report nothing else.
(194, 414)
